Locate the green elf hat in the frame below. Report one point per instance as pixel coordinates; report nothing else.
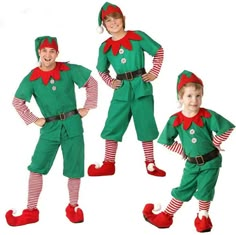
(45, 41)
(187, 77)
(107, 8)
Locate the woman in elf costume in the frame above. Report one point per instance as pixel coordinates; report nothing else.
(52, 86)
(199, 147)
(133, 93)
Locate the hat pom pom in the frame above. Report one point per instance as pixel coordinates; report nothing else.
(179, 104)
(100, 29)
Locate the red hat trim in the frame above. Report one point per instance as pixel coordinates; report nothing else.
(185, 79)
(110, 9)
(46, 43)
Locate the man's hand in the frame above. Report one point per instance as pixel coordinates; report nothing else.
(40, 122)
(83, 112)
(116, 83)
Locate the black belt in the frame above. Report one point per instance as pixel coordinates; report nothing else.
(61, 116)
(131, 75)
(200, 160)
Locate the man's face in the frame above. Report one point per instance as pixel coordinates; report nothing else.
(48, 58)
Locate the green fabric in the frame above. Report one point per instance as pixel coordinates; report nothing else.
(72, 151)
(53, 102)
(198, 181)
(120, 113)
(204, 135)
(135, 59)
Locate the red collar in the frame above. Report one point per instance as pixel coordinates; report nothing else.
(46, 75)
(125, 42)
(197, 119)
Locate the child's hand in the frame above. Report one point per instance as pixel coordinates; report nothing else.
(148, 77)
(219, 148)
(83, 112)
(184, 157)
(116, 83)
(40, 122)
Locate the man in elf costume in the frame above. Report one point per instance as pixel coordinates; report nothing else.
(133, 92)
(199, 147)
(52, 86)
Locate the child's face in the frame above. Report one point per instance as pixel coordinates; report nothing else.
(48, 58)
(191, 99)
(114, 25)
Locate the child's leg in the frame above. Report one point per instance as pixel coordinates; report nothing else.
(108, 167)
(173, 206)
(204, 205)
(163, 219)
(203, 221)
(149, 159)
(73, 188)
(148, 151)
(73, 212)
(110, 150)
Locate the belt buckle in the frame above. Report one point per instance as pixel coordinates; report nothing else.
(200, 160)
(62, 116)
(129, 76)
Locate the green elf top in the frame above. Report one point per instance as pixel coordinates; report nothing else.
(196, 132)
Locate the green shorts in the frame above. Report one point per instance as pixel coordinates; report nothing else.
(119, 116)
(200, 184)
(72, 151)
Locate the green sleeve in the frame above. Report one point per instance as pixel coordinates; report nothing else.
(169, 133)
(25, 89)
(218, 123)
(80, 74)
(102, 64)
(148, 44)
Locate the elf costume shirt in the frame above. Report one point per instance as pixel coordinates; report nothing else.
(196, 135)
(127, 54)
(56, 96)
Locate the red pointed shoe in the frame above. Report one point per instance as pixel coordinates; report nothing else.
(203, 222)
(107, 168)
(74, 214)
(27, 217)
(153, 170)
(161, 220)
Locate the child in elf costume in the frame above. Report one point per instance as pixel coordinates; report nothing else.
(52, 86)
(133, 92)
(199, 147)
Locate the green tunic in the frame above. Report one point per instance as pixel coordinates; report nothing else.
(196, 139)
(132, 98)
(57, 97)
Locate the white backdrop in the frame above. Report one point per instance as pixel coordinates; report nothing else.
(196, 35)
